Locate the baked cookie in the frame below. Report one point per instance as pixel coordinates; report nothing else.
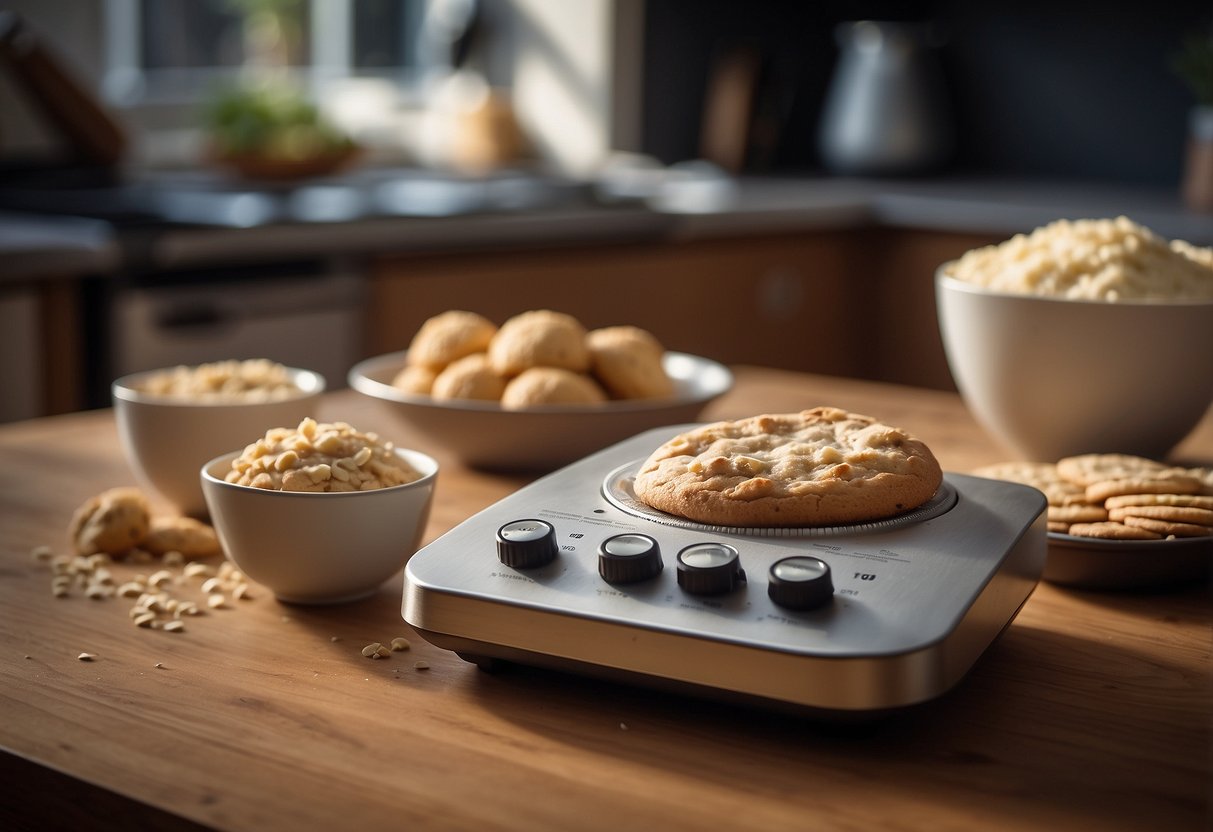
(1165, 527)
(113, 522)
(1077, 513)
(417, 379)
(627, 361)
(819, 467)
(190, 537)
(1175, 514)
(1205, 475)
(1109, 530)
(470, 377)
(1086, 469)
(550, 386)
(1193, 500)
(1097, 492)
(1040, 475)
(450, 336)
(541, 338)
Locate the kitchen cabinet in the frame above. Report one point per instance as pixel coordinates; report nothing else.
(856, 302)
(779, 301)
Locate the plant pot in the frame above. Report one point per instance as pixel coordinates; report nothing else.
(1197, 186)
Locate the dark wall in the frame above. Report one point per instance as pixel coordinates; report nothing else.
(1038, 89)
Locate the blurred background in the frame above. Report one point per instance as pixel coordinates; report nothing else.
(308, 180)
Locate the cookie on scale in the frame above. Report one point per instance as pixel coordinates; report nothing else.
(819, 467)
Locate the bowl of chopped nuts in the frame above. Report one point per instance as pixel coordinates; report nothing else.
(172, 420)
(322, 513)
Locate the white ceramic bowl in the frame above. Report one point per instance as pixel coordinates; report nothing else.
(485, 435)
(166, 440)
(320, 548)
(1051, 377)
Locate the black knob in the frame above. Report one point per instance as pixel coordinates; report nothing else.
(526, 544)
(709, 568)
(628, 558)
(802, 582)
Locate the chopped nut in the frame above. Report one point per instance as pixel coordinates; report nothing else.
(145, 619)
(198, 570)
(241, 592)
(212, 585)
(421, 665)
(400, 643)
(86, 657)
(376, 650)
(173, 558)
(97, 592)
(174, 626)
(161, 577)
(215, 600)
(130, 589)
(60, 591)
(41, 554)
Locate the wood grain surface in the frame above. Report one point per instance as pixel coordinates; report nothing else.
(1091, 712)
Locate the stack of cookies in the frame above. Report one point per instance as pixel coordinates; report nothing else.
(536, 358)
(1118, 496)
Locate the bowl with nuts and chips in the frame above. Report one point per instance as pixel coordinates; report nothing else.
(321, 513)
(172, 420)
(537, 392)
(1092, 336)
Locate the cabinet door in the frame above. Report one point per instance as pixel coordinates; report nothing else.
(910, 347)
(780, 301)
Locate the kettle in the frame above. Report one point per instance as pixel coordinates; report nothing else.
(885, 111)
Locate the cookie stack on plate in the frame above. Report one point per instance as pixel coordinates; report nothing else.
(1118, 496)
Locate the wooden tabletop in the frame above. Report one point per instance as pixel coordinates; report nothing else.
(1091, 712)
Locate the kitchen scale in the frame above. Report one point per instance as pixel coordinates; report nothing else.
(572, 572)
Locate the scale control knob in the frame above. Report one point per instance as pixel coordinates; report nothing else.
(709, 569)
(801, 582)
(526, 544)
(628, 558)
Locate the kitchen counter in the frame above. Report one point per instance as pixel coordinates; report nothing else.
(1090, 712)
(36, 245)
(175, 221)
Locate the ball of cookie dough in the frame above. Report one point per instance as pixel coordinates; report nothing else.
(415, 378)
(448, 337)
(470, 377)
(627, 361)
(113, 522)
(550, 385)
(541, 338)
(190, 537)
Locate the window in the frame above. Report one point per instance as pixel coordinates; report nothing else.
(172, 52)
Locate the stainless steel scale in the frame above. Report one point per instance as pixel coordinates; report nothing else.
(572, 572)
